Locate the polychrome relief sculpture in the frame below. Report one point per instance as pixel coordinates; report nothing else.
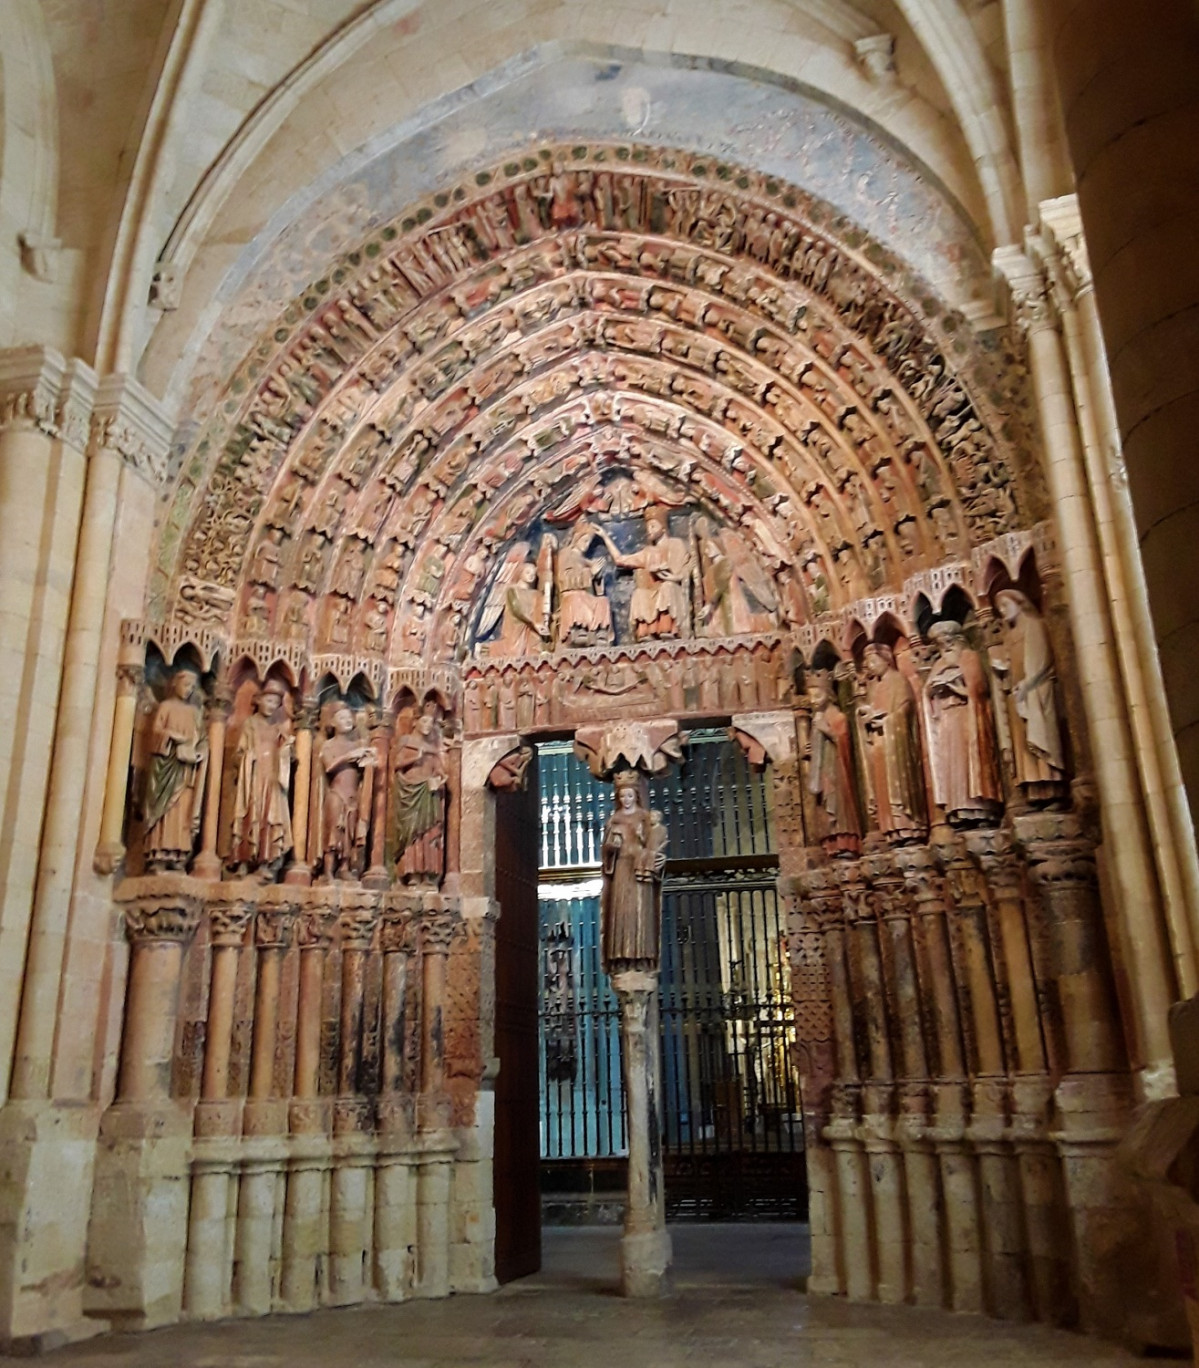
(830, 770)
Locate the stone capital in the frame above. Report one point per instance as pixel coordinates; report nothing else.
(649, 746)
(273, 926)
(171, 917)
(128, 420)
(397, 933)
(1032, 308)
(764, 737)
(437, 930)
(227, 921)
(41, 390)
(1061, 851)
(1064, 244)
(357, 921)
(314, 930)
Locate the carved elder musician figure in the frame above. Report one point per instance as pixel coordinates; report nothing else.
(634, 856)
(830, 770)
(346, 767)
(1025, 666)
(892, 739)
(175, 776)
(961, 731)
(262, 813)
(419, 825)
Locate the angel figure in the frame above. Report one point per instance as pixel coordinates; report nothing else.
(519, 602)
(341, 813)
(729, 575)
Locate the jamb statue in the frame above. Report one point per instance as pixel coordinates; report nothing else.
(262, 815)
(346, 770)
(175, 776)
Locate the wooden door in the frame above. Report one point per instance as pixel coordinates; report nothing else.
(517, 986)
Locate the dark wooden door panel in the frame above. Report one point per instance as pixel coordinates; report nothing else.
(517, 1088)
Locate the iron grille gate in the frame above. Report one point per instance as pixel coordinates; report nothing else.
(732, 1123)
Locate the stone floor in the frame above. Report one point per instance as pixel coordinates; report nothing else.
(736, 1302)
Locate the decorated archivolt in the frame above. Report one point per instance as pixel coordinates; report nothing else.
(497, 400)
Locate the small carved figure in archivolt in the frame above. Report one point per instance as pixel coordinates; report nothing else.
(634, 857)
(262, 812)
(345, 773)
(175, 776)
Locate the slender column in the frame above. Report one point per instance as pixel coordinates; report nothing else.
(922, 1189)
(811, 903)
(159, 930)
(357, 928)
(437, 933)
(227, 923)
(110, 849)
(398, 938)
(261, 1168)
(208, 863)
(377, 876)
(1138, 896)
(995, 854)
(272, 935)
(304, 1228)
(1064, 252)
(947, 1065)
(349, 1229)
(299, 871)
(68, 775)
(645, 1244)
(315, 935)
(878, 1093)
(206, 1271)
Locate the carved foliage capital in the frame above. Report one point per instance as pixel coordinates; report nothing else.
(437, 930)
(357, 922)
(315, 927)
(227, 921)
(273, 927)
(129, 421)
(397, 933)
(170, 918)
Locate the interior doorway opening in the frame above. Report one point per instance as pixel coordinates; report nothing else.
(732, 1121)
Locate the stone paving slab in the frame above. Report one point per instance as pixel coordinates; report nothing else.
(732, 1307)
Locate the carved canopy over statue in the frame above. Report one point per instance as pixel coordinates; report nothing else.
(634, 856)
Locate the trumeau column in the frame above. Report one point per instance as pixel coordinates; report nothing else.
(127, 430)
(45, 403)
(1127, 838)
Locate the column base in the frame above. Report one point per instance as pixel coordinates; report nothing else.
(45, 1194)
(645, 1259)
(137, 1234)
